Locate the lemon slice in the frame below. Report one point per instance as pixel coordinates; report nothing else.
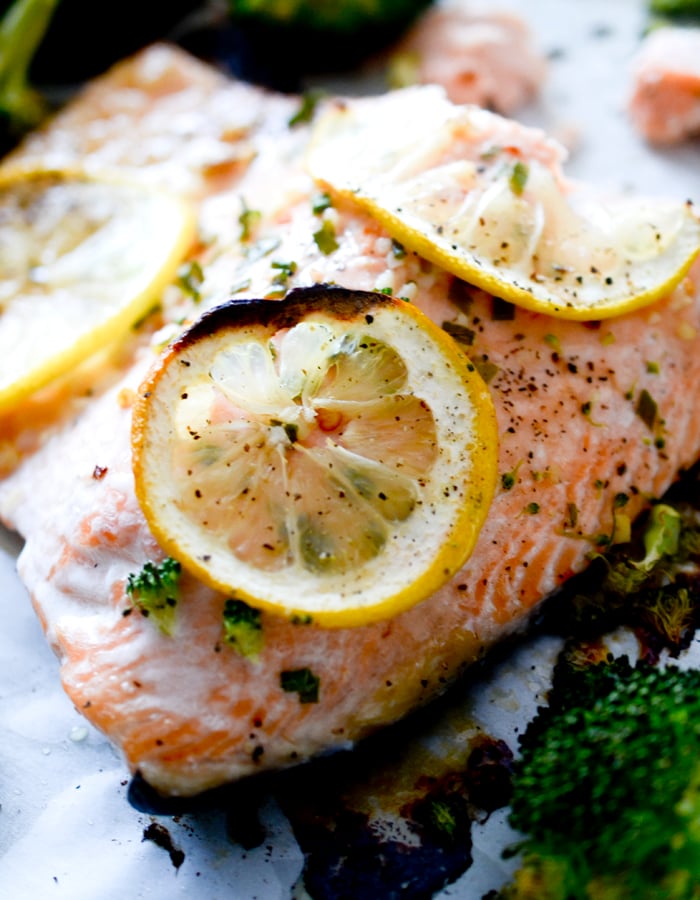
(81, 259)
(484, 198)
(331, 455)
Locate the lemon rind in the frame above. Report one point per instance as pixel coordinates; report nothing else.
(373, 602)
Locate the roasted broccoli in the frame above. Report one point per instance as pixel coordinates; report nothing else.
(661, 539)
(676, 9)
(155, 592)
(650, 585)
(242, 628)
(280, 42)
(329, 15)
(606, 790)
(22, 29)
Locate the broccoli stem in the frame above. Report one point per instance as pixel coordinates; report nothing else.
(21, 31)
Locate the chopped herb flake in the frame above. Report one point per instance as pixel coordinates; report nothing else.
(509, 479)
(647, 409)
(307, 108)
(487, 369)
(398, 250)
(189, 279)
(518, 177)
(248, 219)
(325, 238)
(284, 271)
(303, 682)
(320, 202)
(442, 816)
(460, 333)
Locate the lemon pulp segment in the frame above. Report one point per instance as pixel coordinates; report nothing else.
(330, 455)
(485, 199)
(81, 259)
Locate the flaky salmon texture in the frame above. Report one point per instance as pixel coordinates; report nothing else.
(587, 413)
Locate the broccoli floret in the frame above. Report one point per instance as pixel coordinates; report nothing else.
(676, 9)
(21, 31)
(242, 626)
(328, 15)
(607, 786)
(651, 585)
(278, 43)
(155, 591)
(661, 540)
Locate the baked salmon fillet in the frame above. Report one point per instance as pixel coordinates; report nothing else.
(594, 419)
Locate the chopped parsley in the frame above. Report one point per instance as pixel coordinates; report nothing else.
(460, 333)
(509, 479)
(302, 682)
(320, 202)
(553, 342)
(518, 177)
(189, 279)
(248, 219)
(284, 271)
(647, 409)
(487, 369)
(398, 249)
(325, 238)
(307, 108)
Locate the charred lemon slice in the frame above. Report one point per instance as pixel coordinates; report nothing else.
(331, 455)
(484, 198)
(81, 259)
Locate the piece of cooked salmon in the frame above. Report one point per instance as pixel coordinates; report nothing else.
(594, 420)
(485, 57)
(664, 101)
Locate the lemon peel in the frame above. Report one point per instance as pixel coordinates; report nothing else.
(83, 257)
(332, 455)
(485, 198)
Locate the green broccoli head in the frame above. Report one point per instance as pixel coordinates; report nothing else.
(650, 584)
(607, 787)
(676, 9)
(329, 15)
(155, 591)
(242, 628)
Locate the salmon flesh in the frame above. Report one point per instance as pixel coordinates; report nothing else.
(592, 417)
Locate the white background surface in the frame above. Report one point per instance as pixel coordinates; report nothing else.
(66, 829)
